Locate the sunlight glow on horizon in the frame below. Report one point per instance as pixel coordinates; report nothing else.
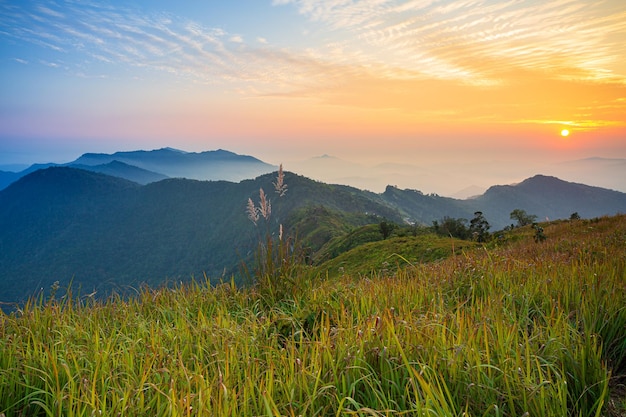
(371, 78)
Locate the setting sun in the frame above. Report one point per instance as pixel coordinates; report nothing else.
(565, 133)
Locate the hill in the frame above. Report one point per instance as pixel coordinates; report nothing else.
(517, 328)
(208, 165)
(386, 257)
(544, 196)
(107, 233)
(145, 167)
(119, 169)
(548, 198)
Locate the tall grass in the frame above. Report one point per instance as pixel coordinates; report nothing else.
(523, 329)
(278, 270)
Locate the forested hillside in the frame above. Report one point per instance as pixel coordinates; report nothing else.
(108, 234)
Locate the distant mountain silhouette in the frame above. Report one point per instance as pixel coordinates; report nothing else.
(121, 170)
(107, 233)
(548, 198)
(209, 165)
(145, 167)
(7, 178)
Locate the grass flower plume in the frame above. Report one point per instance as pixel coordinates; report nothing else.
(252, 211)
(279, 185)
(265, 205)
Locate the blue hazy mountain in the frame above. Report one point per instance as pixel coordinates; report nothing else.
(122, 170)
(208, 165)
(145, 167)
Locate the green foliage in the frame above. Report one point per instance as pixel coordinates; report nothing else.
(387, 256)
(452, 227)
(277, 273)
(112, 236)
(345, 242)
(519, 330)
(539, 235)
(386, 228)
(522, 218)
(315, 226)
(479, 227)
(279, 270)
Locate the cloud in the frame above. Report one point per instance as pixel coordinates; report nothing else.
(374, 54)
(474, 40)
(91, 35)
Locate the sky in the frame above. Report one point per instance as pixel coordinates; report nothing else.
(442, 87)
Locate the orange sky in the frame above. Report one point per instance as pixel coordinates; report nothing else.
(370, 80)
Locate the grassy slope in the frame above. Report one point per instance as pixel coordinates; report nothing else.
(386, 256)
(515, 330)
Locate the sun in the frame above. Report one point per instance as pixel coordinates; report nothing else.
(565, 133)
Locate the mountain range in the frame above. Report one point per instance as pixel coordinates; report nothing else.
(144, 167)
(460, 179)
(105, 233)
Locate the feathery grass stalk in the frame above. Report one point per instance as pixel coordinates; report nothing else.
(278, 273)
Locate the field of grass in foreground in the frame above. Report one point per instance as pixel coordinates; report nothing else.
(515, 329)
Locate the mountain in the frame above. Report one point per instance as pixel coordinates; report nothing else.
(106, 233)
(461, 178)
(7, 178)
(417, 207)
(548, 197)
(121, 170)
(544, 196)
(468, 192)
(145, 167)
(208, 165)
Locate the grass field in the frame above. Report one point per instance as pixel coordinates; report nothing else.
(512, 328)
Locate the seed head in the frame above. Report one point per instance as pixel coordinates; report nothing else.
(252, 211)
(265, 206)
(279, 185)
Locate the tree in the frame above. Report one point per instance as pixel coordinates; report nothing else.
(523, 218)
(451, 227)
(386, 228)
(479, 227)
(574, 216)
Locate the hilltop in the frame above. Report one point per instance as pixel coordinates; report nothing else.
(145, 167)
(107, 234)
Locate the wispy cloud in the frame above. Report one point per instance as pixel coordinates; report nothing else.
(92, 33)
(480, 60)
(385, 54)
(474, 40)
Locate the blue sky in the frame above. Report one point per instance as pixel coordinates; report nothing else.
(412, 80)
